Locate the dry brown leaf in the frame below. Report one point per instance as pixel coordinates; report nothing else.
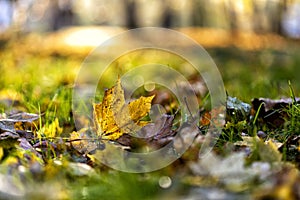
(272, 111)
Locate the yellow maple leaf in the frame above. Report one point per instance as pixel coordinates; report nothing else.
(113, 117)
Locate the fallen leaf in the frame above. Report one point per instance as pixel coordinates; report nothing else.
(272, 111)
(8, 139)
(205, 119)
(214, 117)
(18, 121)
(162, 128)
(113, 117)
(266, 151)
(271, 104)
(236, 109)
(24, 117)
(15, 126)
(7, 125)
(29, 150)
(154, 135)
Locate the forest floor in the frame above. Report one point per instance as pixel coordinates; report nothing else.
(256, 156)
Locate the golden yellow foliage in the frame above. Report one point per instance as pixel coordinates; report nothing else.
(113, 117)
(53, 129)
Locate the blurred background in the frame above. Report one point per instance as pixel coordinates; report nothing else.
(255, 43)
(276, 16)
